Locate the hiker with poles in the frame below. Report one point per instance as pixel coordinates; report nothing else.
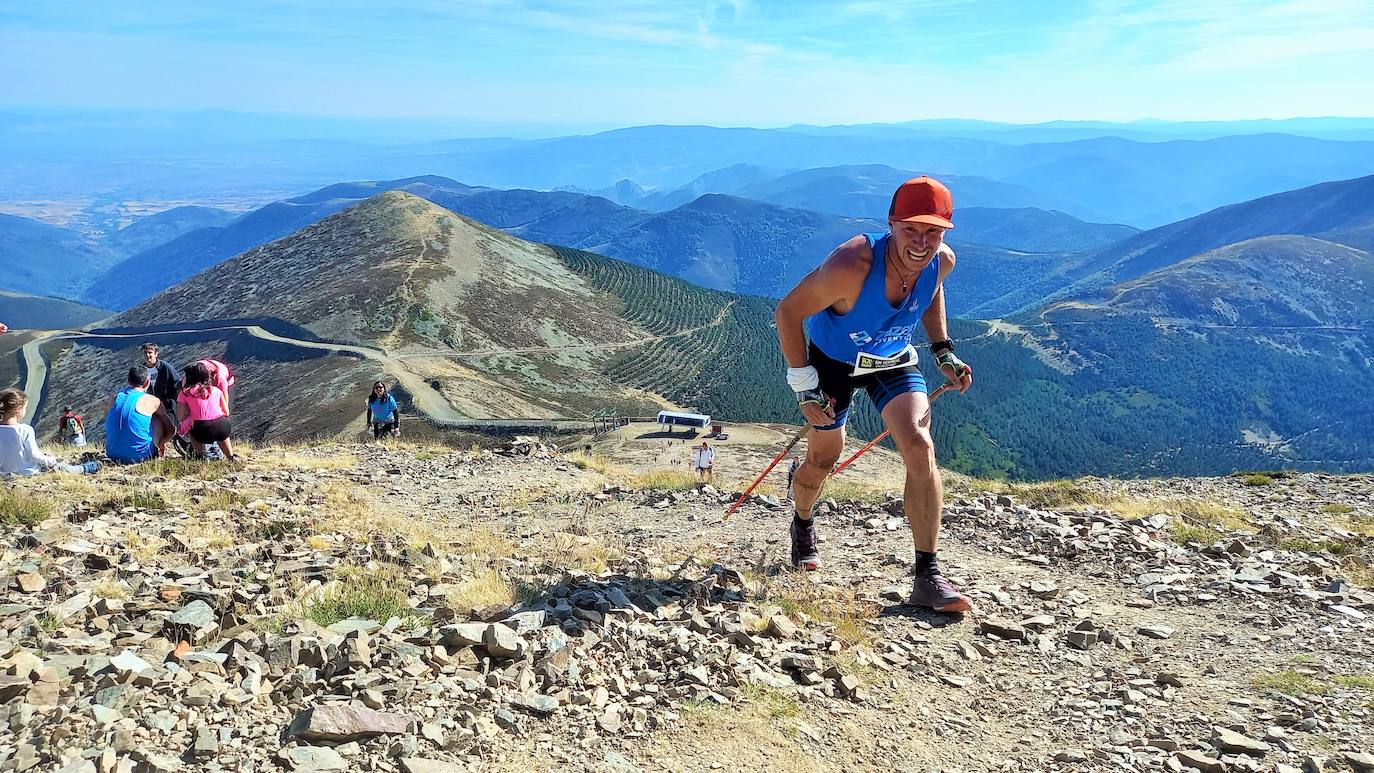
(864, 304)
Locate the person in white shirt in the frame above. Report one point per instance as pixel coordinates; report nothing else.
(19, 451)
(703, 456)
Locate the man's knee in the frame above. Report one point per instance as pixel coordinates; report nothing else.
(918, 451)
(820, 463)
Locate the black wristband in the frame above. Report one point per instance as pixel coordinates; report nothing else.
(942, 345)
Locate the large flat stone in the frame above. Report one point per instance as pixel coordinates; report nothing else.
(347, 723)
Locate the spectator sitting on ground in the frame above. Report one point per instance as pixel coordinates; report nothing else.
(382, 414)
(203, 412)
(19, 451)
(71, 428)
(137, 426)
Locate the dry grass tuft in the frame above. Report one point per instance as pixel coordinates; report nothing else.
(189, 469)
(210, 533)
(851, 491)
(587, 461)
(143, 498)
(296, 459)
(484, 542)
(350, 511)
(486, 588)
(144, 548)
(662, 480)
(21, 508)
(111, 588)
(571, 551)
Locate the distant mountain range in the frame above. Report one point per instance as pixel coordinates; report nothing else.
(716, 241)
(1142, 174)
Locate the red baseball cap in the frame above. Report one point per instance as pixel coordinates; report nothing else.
(922, 200)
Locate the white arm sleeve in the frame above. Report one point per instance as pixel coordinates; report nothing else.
(32, 450)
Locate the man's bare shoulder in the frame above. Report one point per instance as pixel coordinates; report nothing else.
(853, 258)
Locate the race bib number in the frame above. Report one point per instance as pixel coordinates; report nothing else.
(865, 363)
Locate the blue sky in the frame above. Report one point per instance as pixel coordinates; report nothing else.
(738, 62)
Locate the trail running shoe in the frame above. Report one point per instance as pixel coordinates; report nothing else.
(932, 589)
(183, 447)
(805, 552)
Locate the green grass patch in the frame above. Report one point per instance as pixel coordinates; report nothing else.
(1184, 533)
(143, 499)
(18, 508)
(1337, 508)
(1334, 547)
(1292, 683)
(1257, 479)
(1357, 681)
(370, 594)
(47, 622)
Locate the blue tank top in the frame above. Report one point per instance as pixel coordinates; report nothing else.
(874, 326)
(128, 433)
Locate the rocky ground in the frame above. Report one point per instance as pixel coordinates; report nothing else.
(425, 609)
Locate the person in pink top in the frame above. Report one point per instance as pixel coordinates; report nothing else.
(220, 376)
(203, 412)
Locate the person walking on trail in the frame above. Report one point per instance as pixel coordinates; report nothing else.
(864, 303)
(19, 451)
(383, 416)
(71, 429)
(137, 426)
(703, 457)
(203, 412)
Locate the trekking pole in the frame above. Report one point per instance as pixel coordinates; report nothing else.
(875, 441)
(785, 451)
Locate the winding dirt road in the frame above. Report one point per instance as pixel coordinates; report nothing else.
(426, 398)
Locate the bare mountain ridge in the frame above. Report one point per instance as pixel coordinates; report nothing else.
(1283, 280)
(501, 326)
(1335, 211)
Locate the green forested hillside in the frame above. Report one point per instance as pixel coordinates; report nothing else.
(731, 370)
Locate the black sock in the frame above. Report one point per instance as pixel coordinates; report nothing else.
(804, 523)
(924, 559)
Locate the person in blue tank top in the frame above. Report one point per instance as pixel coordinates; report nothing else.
(137, 427)
(864, 304)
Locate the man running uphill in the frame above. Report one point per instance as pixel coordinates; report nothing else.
(864, 303)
